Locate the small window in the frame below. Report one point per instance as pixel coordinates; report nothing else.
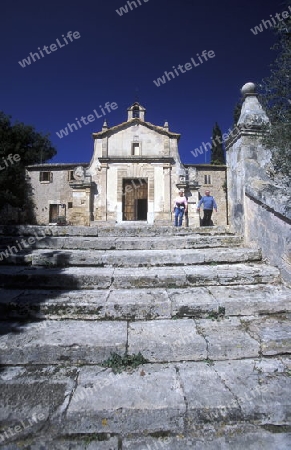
(45, 177)
(71, 175)
(135, 151)
(135, 112)
(70, 205)
(207, 179)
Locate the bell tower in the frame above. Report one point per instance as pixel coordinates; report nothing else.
(136, 111)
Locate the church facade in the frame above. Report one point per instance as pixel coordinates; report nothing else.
(133, 176)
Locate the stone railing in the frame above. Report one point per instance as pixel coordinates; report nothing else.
(268, 224)
(259, 209)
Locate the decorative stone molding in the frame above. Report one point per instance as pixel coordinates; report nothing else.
(79, 173)
(252, 116)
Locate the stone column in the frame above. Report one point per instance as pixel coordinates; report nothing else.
(242, 142)
(193, 215)
(101, 213)
(167, 193)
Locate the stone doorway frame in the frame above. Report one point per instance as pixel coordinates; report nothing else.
(135, 191)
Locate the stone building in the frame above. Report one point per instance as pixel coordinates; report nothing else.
(134, 175)
(213, 178)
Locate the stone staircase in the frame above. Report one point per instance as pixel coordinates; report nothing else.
(208, 320)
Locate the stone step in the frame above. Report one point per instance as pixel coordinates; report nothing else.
(118, 243)
(138, 258)
(19, 277)
(159, 341)
(237, 436)
(145, 304)
(39, 231)
(134, 230)
(195, 405)
(152, 230)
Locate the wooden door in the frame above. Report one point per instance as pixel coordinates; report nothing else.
(135, 199)
(54, 212)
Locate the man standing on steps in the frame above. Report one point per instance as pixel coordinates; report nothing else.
(180, 207)
(209, 204)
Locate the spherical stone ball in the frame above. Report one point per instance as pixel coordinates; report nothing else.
(248, 88)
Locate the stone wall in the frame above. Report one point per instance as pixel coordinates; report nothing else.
(259, 208)
(212, 178)
(269, 229)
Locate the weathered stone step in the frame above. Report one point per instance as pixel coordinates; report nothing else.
(134, 230)
(138, 258)
(130, 259)
(145, 304)
(150, 230)
(12, 245)
(169, 398)
(39, 231)
(237, 436)
(125, 278)
(231, 437)
(165, 340)
(54, 342)
(198, 405)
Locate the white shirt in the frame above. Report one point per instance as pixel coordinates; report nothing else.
(180, 199)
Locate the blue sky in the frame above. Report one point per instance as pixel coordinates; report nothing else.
(117, 57)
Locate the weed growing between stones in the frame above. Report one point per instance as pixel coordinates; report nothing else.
(217, 315)
(101, 437)
(120, 363)
(209, 362)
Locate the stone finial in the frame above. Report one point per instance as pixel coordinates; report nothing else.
(248, 89)
(252, 116)
(105, 126)
(166, 126)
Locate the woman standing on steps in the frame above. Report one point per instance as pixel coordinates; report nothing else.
(180, 207)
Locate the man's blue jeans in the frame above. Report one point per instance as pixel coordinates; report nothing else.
(179, 213)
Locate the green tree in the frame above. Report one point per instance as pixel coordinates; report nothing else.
(20, 145)
(275, 97)
(217, 150)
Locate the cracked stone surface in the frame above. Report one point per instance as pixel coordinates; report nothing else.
(124, 278)
(257, 387)
(138, 304)
(274, 334)
(212, 320)
(55, 342)
(138, 258)
(32, 397)
(125, 403)
(248, 300)
(131, 243)
(197, 399)
(236, 437)
(167, 340)
(227, 339)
